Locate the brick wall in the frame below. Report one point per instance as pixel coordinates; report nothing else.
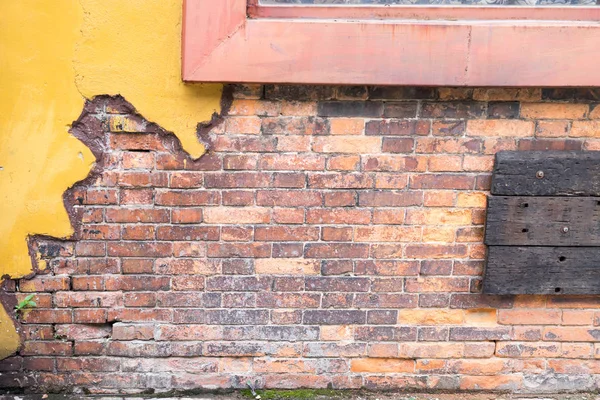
(331, 237)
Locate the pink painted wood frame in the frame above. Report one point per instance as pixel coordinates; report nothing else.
(225, 41)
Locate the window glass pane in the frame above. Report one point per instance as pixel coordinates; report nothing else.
(441, 2)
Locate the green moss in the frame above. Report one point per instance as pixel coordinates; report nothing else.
(306, 394)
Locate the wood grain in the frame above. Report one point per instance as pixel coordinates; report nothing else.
(565, 173)
(543, 221)
(542, 270)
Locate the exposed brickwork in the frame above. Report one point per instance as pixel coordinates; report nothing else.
(331, 237)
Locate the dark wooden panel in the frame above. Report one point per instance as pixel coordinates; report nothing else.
(542, 270)
(565, 173)
(543, 221)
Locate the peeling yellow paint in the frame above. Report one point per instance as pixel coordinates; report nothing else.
(52, 55)
(133, 48)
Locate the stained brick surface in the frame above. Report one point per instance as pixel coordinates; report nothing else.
(330, 237)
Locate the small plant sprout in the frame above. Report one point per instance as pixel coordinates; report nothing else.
(252, 389)
(27, 302)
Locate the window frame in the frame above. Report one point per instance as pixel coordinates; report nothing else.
(242, 41)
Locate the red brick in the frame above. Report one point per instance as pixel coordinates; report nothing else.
(139, 299)
(87, 283)
(387, 234)
(243, 125)
(302, 125)
(247, 250)
(237, 198)
(54, 348)
(346, 144)
(240, 162)
(336, 250)
(397, 128)
(129, 141)
(91, 316)
(101, 196)
(246, 215)
(133, 215)
(389, 198)
(429, 284)
(195, 233)
(186, 215)
(343, 163)
(447, 145)
(246, 107)
(137, 283)
(289, 180)
(90, 249)
(137, 266)
(40, 316)
(183, 180)
(138, 232)
(340, 181)
(388, 216)
(552, 128)
(553, 111)
(138, 160)
(444, 163)
(286, 234)
(497, 382)
(292, 162)
(448, 128)
(346, 126)
(187, 266)
(143, 179)
(236, 233)
(187, 198)
(438, 181)
(398, 145)
(338, 216)
(527, 349)
(288, 216)
(391, 181)
(44, 283)
(140, 249)
(289, 198)
(382, 365)
(529, 317)
(500, 127)
(293, 143)
(336, 234)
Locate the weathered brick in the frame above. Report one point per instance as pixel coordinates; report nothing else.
(500, 127)
(336, 250)
(187, 198)
(287, 266)
(288, 198)
(382, 365)
(553, 111)
(227, 215)
(397, 128)
(337, 284)
(527, 349)
(350, 109)
(430, 317)
(453, 109)
(346, 144)
(339, 181)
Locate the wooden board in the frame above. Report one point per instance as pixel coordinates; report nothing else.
(543, 221)
(542, 270)
(565, 173)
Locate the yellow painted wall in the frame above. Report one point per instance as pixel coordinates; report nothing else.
(53, 54)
